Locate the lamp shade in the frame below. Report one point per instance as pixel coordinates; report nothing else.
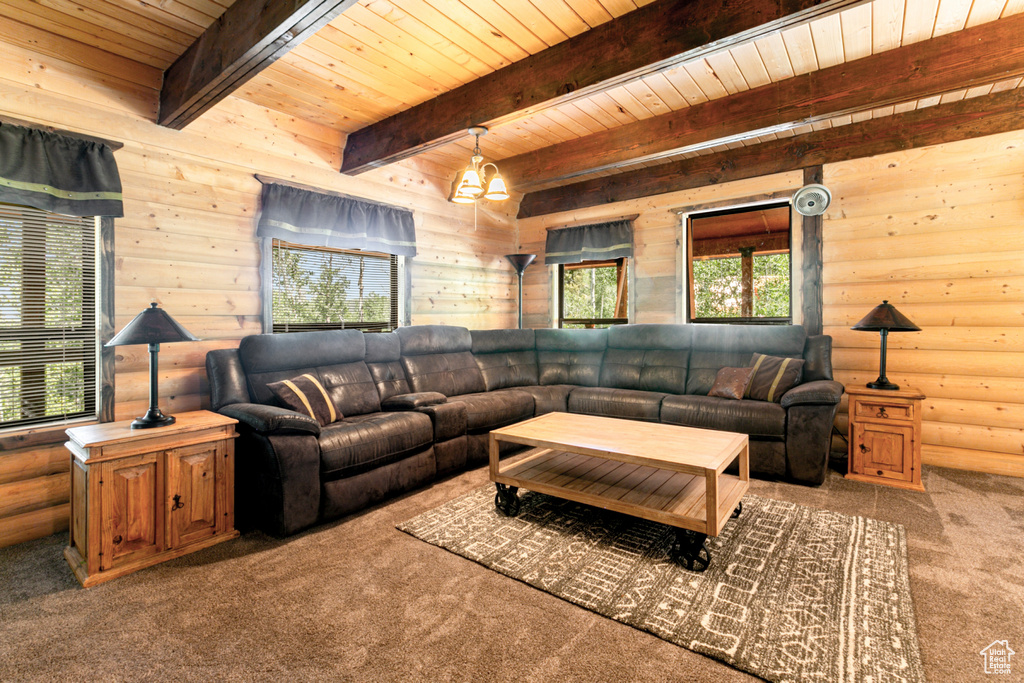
(470, 183)
(520, 261)
(152, 326)
(496, 189)
(885, 317)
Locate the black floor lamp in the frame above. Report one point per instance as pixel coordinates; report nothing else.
(154, 327)
(520, 262)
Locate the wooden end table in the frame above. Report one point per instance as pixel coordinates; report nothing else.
(143, 496)
(885, 437)
(664, 473)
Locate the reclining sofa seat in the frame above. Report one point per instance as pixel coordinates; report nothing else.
(302, 472)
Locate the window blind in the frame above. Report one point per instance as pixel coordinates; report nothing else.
(48, 336)
(317, 288)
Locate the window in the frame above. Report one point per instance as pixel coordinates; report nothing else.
(320, 288)
(593, 293)
(740, 266)
(48, 339)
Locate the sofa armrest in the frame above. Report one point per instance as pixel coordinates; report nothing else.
(450, 419)
(271, 420)
(819, 392)
(413, 401)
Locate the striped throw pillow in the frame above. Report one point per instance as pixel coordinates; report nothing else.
(773, 376)
(305, 394)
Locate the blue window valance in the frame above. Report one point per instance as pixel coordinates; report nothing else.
(597, 242)
(58, 173)
(328, 220)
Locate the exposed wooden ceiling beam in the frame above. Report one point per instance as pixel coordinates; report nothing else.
(971, 118)
(652, 38)
(247, 38)
(975, 56)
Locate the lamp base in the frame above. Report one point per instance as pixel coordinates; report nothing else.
(883, 384)
(152, 418)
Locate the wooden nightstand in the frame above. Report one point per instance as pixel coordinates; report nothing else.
(142, 496)
(885, 437)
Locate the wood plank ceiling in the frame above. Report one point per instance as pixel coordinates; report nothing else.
(383, 57)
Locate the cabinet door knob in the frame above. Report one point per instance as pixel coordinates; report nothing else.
(881, 412)
(177, 502)
(864, 449)
(117, 540)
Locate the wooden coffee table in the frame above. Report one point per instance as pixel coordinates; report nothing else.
(664, 473)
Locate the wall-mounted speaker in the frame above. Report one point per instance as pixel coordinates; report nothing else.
(812, 200)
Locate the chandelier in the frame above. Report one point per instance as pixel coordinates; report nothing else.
(474, 181)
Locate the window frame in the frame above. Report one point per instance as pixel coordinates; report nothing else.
(98, 369)
(621, 264)
(398, 287)
(689, 302)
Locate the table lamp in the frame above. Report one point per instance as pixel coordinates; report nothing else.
(154, 327)
(884, 319)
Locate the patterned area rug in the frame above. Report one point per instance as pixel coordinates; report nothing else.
(792, 593)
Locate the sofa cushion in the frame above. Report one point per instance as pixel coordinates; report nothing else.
(719, 346)
(364, 442)
(438, 358)
(304, 394)
(571, 356)
(489, 410)
(754, 418)
(351, 388)
(626, 403)
(773, 376)
(507, 358)
(550, 398)
(269, 358)
(384, 360)
(647, 358)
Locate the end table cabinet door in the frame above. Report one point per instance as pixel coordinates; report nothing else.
(884, 450)
(132, 516)
(194, 503)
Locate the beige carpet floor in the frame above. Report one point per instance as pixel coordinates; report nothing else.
(359, 600)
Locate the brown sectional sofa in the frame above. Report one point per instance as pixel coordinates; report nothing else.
(419, 403)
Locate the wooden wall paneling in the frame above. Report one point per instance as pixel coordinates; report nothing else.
(811, 248)
(947, 254)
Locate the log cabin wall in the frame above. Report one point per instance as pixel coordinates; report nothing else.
(939, 232)
(188, 240)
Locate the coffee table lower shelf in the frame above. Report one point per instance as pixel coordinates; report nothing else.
(678, 499)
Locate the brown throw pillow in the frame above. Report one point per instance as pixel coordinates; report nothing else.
(773, 376)
(304, 394)
(731, 382)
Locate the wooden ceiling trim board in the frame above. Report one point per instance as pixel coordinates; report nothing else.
(485, 50)
(952, 16)
(728, 73)
(36, 15)
(625, 100)
(748, 61)
(431, 39)
(565, 17)
(704, 76)
(507, 24)
(590, 11)
(800, 47)
(665, 91)
(136, 26)
(580, 116)
(681, 80)
(827, 34)
(772, 51)
(1013, 7)
(386, 39)
(919, 20)
(646, 96)
(649, 40)
(535, 20)
(367, 72)
(577, 129)
(591, 108)
(309, 87)
(476, 25)
(886, 24)
(184, 18)
(972, 118)
(856, 24)
(976, 56)
(618, 7)
(249, 36)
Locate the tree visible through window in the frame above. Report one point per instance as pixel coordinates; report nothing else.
(740, 265)
(322, 288)
(48, 338)
(593, 294)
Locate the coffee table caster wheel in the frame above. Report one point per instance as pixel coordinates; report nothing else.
(506, 500)
(738, 510)
(690, 550)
